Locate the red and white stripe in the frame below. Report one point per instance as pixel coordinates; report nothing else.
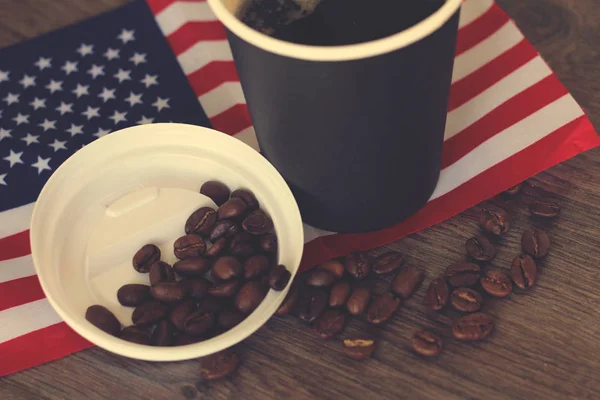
(509, 118)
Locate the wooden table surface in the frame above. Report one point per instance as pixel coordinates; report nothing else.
(547, 341)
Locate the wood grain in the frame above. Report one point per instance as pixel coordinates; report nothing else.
(545, 344)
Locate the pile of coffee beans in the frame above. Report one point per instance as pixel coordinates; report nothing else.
(227, 263)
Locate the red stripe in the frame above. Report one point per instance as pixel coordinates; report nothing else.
(212, 76)
(20, 291)
(193, 32)
(232, 121)
(38, 347)
(15, 246)
(573, 138)
(494, 71)
(480, 29)
(158, 5)
(512, 111)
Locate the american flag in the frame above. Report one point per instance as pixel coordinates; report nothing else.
(167, 60)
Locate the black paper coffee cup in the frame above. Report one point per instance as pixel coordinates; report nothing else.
(355, 130)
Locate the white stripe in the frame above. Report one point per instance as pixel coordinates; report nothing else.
(203, 53)
(16, 268)
(484, 52)
(222, 98)
(26, 318)
(485, 102)
(249, 137)
(473, 9)
(15, 220)
(177, 14)
(311, 233)
(508, 142)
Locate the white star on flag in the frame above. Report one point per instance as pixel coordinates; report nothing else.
(145, 120)
(91, 112)
(29, 139)
(75, 129)
(134, 99)
(69, 66)
(123, 75)
(2, 181)
(138, 58)
(58, 145)
(107, 94)
(85, 49)
(43, 63)
(81, 90)
(111, 54)
(101, 132)
(11, 98)
(118, 116)
(27, 81)
(21, 119)
(4, 133)
(41, 164)
(14, 158)
(161, 103)
(126, 36)
(38, 103)
(47, 124)
(96, 71)
(4, 76)
(65, 108)
(150, 80)
(54, 86)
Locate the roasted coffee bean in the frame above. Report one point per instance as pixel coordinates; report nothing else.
(255, 266)
(476, 326)
(193, 266)
(189, 246)
(168, 292)
(290, 301)
(544, 209)
(279, 277)
(382, 308)
(135, 334)
(462, 274)
(196, 288)
(358, 265)
(494, 220)
(103, 319)
(160, 271)
(217, 248)
(258, 223)
(320, 278)
(217, 191)
(225, 228)
(183, 339)
(438, 294)
(535, 242)
(163, 334)
(248, 198)
(145, 257)
(330, 323)
(513, 191)
(201, 221)
(335, 267)
(268, 242)
(427, 344)
(466, 300)
(149, 312)
(219, 365)
(359, 301)
(180, 312)
(250, 296)
(213, 303)
(388, 262)
(340, 292)
(230, 317)
(199, 322)
(524, 271)
(225, 289)
(226, 268)
(313, 303)
(242, 245)
(407, 281)
(359, 349)
(133, 294)
(233, 208)
(496, 284)
(479, 248)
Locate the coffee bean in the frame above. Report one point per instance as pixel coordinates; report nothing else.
(163, 334)
(496, 284)
(313, 303)
(242, 245)
(233, 208)
(388, 262)
(230, 317)
(382, 308)
(196, 288)
(476, 326)
(290, 301)
(544, 209)
(340, 292)
(255, 266)
(103, 319)
(225, 289)
(201, 221)
(225, 228)
(217, 248)
(217, 191)
(189, 246)
(219, 365)
(330, 323)
(199, 322)
(135, 334)
(535, 242)
(226, 268)
(268, 242)
(258, 223)
(438, 294)
(160, 271)
(358, 265)
(359, 301)
(183, 339)
(168, 292)
(250, 296)
(427, 344)
(193, 266)
(279, 277)
(462, 274)
(149, 312)
(320, 278)
(494, 220)
(479, 248)
(180, 312)
(407, 281)
(513, 191)
(248, 198)
(524, 271)
(145, 257)
(359, 349)
(133, 294)
(335, 267)
(466, 300)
